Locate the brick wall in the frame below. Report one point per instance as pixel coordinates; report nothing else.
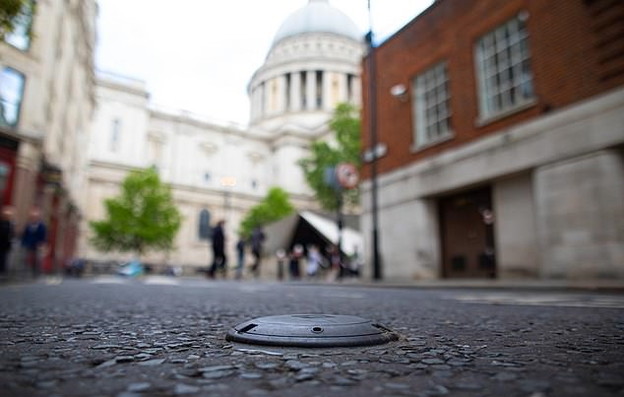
(576, 47)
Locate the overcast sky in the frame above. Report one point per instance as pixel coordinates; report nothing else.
(199, 55)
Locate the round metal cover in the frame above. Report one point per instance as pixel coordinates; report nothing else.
(311, 330)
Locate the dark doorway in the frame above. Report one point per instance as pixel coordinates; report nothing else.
(467, 235)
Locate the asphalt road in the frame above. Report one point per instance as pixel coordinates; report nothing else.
(165, 337)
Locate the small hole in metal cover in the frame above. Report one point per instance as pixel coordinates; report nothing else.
(247, 328)
(317, 330)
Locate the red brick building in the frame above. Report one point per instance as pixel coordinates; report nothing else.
(504, 127)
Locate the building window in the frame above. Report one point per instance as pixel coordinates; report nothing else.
(5, 171)
(115, 136)
(503, 65)
(11, 95)
(432, 108)
(204, 229)
(20, 36)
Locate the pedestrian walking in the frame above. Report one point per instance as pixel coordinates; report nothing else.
(313, 261)
(294, 265)
(335, 263)
(355, 263)
(281, 259)
(33, 241)
(257, 240)
(240, 256)
(219, 259)
(6, 239)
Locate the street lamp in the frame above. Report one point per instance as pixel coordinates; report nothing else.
(372, 123)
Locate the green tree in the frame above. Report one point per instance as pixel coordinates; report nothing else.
(275, 206)
(12, 13)
(141, 218)
(346, 126)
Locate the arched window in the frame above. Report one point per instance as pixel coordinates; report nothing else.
(205, 231)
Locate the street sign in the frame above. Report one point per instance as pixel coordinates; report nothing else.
(348, 176)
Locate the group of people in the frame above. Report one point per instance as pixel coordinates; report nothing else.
(32, 240)
(332, 264)
(219, 257)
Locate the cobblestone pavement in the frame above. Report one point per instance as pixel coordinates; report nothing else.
(126, 338)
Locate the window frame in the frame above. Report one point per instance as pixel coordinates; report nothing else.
(115, 135)
(503, 67)
(428, 101)
(20, 37)
(18, 104)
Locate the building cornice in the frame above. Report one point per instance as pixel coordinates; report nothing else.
(589, 126)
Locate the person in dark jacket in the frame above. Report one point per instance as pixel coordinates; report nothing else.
(240, 256)
(257, 239)
(6, 238)
(33, 240)
(219, 260)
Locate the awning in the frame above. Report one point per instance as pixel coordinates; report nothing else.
(307, 228)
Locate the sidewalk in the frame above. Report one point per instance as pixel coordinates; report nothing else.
(529, 284)
(545, 285)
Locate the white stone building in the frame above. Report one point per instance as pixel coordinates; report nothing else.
(312, 65)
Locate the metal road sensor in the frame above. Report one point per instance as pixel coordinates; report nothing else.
(311, 330)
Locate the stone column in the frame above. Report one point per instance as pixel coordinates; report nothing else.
(295, 92)
(269, 96)
(252, 103)
(357, 91)
(327, 94)
(26, 170)
(280, 94)
(342, 88)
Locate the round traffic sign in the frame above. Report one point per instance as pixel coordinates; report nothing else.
(347, 175)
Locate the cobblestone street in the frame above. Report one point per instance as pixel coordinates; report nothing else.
(123, 338)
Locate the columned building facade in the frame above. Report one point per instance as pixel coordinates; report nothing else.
(313, 65)
(222, 168)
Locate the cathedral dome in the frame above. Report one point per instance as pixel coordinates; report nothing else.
(318, 17)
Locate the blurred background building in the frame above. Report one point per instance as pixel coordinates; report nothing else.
(504, 128)
(47, 99)
(502, 124)
(221, 168)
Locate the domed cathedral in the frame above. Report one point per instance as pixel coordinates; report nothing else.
(223, 169)
(313, 65)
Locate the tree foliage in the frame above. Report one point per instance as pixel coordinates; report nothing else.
(10, 13)
(141, 218)
(275, 206)
(346, 126)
